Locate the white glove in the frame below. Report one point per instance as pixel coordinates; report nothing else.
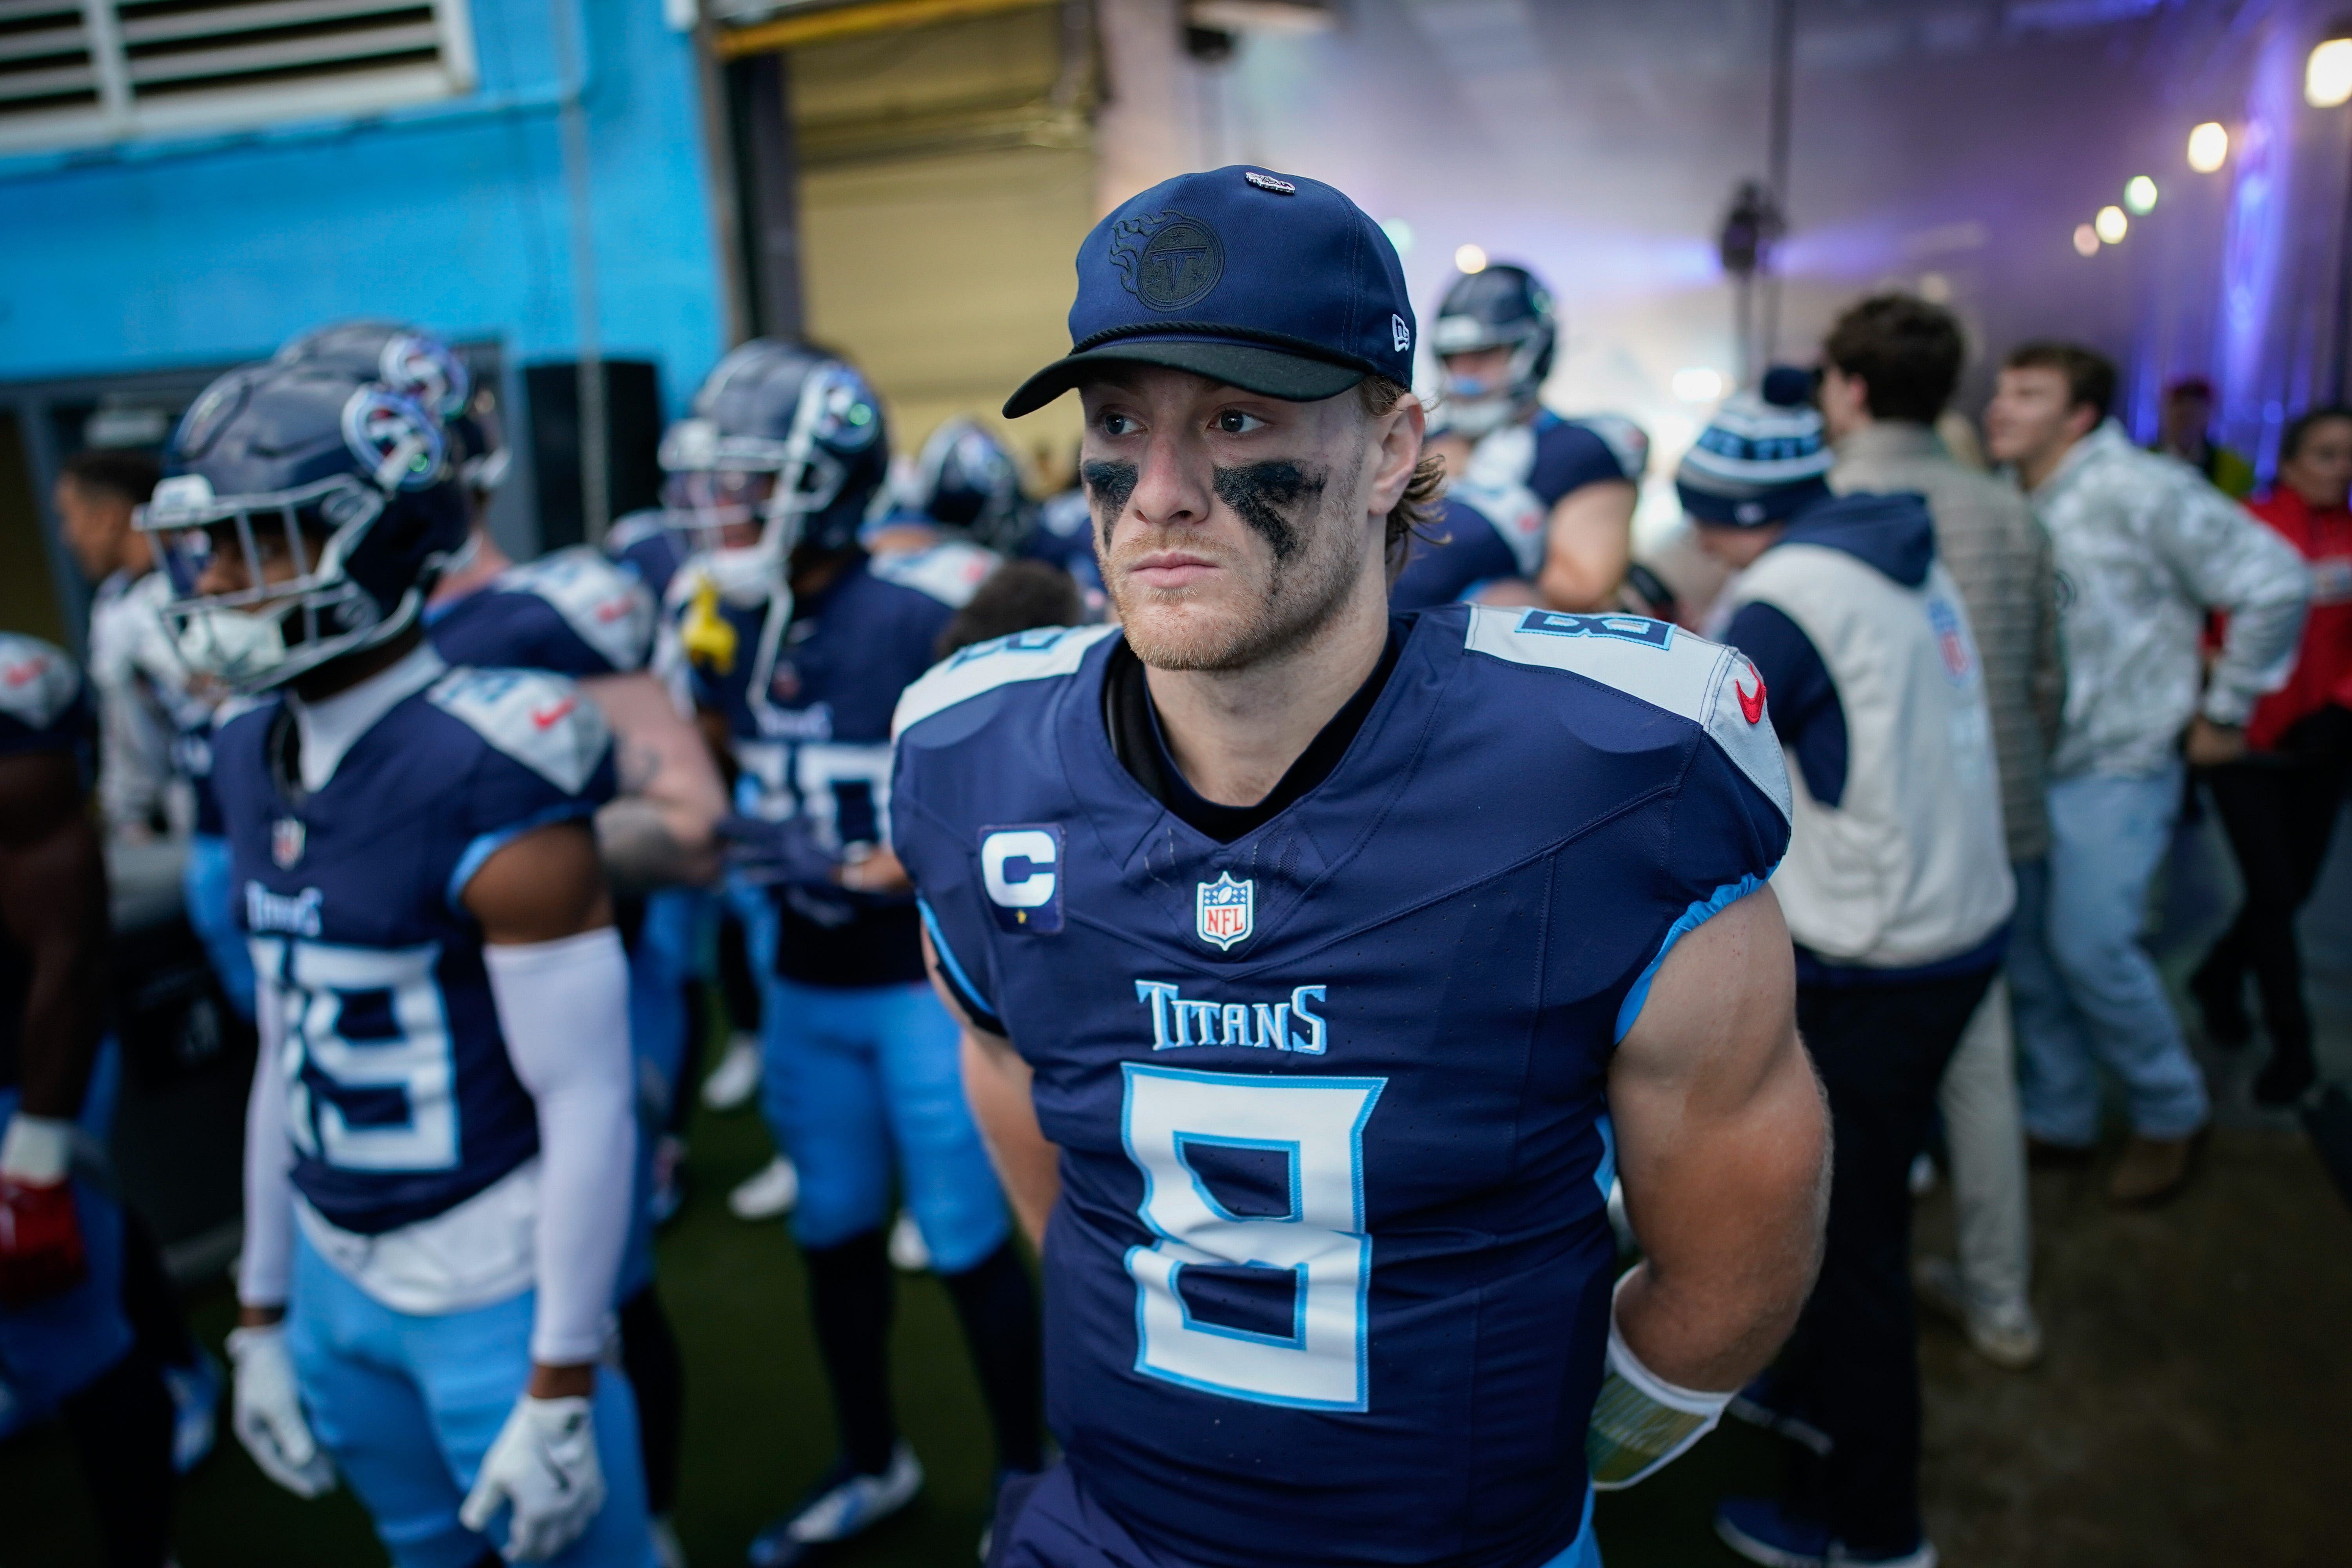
(266, 1408)
(544, 1465)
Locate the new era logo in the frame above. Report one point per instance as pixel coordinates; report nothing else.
(1402, 333)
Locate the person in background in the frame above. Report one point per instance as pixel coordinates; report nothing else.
(2185, 431)
(2148, 549)
(2278, 803)
(97, 490)
(1494, 336)
(1018, 596)
(1889, 366)
(70, 1339)
(1898, 896)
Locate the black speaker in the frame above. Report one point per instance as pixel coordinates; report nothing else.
(633, 425)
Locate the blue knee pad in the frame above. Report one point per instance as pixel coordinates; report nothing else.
(408, 1405)
(207, 884)
(865, 1083)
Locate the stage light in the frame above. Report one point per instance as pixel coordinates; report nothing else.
(1698, 384)
(2087, 240)
(2139, 195)
(2327, 74)
(1400, 234)
(2110, 224)
(1469, 258)
(2208, 147)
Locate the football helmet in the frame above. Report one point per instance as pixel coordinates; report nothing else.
(416, 363)
(1500, 306)
(785, 449)
(340, 484)
(965, 479)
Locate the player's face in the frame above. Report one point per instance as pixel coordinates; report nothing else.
(1478, 373)
(1230, 526)
(279, 555)
(2028, 415)
(1736, 548)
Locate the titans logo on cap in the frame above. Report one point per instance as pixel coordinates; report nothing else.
(1167, 259)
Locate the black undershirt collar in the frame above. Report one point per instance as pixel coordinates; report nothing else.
(1142, 751)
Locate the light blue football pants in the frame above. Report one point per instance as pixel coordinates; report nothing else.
(861, 1083)
(206, 887)
(408, 1405)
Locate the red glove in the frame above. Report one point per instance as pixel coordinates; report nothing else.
(41, 1252)
(40, 1242)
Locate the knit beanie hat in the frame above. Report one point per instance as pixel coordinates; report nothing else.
(1762, 459)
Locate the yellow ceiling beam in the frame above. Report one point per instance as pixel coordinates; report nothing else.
(850, 21)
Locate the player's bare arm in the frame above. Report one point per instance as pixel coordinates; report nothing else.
(1723, 1146)
(53, 908)
(659, 831)
(1587, 544)
(996, 1082)
(543, 887)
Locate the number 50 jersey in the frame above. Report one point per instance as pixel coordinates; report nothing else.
(1330, 1277)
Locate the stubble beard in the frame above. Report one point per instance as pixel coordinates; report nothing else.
(1316, 552)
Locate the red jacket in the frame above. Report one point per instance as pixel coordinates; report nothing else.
(2323, 667)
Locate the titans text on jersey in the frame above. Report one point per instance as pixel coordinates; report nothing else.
(1330, 1277)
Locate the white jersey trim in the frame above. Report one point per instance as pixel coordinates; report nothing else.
(541, 721)
(1039, 655)
(38, 681)
(949, 571)
(1712, 686)
(606, 608)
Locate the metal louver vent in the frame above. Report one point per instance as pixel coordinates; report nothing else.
(102, 70)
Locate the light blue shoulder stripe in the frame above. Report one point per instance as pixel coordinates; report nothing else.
(1038, 654)
(1695, 916)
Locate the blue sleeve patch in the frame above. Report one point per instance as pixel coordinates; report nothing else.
(1696, 915)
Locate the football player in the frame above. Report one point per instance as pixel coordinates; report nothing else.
(1484, 546)
(66, 1341)
(1320, 966)
(801, 644)
(440, 1137)
(1495, 337)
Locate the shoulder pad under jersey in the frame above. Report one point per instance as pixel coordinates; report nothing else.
(1626, 440)
(1516, 514)
(38, 682)
(541, 721)
(607, 607)
(1037, 655)
(1712, 686)
(948, 571)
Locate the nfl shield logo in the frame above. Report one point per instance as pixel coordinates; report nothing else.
(1223, 910)
(286, 842)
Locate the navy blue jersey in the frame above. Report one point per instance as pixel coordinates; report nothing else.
(44, 707)
(1330, 1277)
(1484, 532)
(402, 1101)
(644, 545)
(572, 611)
(807, 706)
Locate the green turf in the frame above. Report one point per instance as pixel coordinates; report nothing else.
(759, 1427)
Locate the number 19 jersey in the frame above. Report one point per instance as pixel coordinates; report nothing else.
(1330, 1277)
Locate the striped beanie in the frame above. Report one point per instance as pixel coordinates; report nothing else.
(1762, 459)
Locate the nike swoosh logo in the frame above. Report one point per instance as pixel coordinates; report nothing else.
(1751, 703)
(543, 716)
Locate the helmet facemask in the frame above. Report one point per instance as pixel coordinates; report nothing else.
(717, 489)
(298, 608)
(1475, 407)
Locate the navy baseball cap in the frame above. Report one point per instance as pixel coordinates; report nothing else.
(1273, 283)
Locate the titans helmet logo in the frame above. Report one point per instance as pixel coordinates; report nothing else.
(1167, 259)
(400, 442)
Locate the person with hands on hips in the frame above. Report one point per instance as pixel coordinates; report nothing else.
(439, 1141)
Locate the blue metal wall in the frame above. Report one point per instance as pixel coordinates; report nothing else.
(455, 215)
